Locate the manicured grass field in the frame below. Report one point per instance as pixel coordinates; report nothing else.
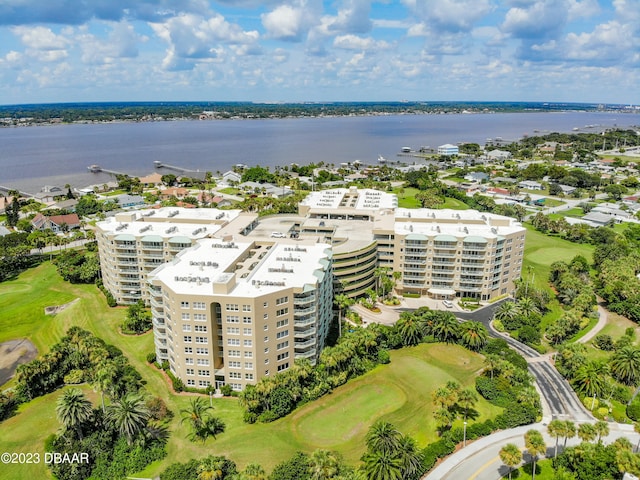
(399, 392)
(407, 197)
(454, 204)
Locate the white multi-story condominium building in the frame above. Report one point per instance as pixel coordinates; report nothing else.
(132, 244)
(448, 149)
(449, 253)
(228, 312)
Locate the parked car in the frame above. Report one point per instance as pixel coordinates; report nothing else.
(447, 303)
(278, 235)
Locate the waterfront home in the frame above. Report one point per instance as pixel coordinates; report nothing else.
(530, 185)
(448, 149)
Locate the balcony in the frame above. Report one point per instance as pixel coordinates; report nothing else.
(308, 354)
(304, 300)
(301, 312)
(305, 322)
(305, 333)
(304, 345)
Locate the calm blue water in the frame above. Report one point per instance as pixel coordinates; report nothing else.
(31, 157)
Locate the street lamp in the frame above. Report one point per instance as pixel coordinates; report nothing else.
(464, 434)
(593, 403)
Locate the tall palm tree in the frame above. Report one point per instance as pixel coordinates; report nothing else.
(195, 413)
(255, 471)
(625, 365)
(534, 442)
(129, 415)
(511, 456)
(587, 432)
(473, 335)
(323, 465)
(556, 429)
(569, 431)
(602, 429)
(467, 399)
(383, 437)
(527, 306)
(103, 379)
(73, 410)
(211, 468)
(342, 302)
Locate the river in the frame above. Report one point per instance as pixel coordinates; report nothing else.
(31, 157)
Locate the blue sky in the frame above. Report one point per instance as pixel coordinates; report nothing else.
(315, 50)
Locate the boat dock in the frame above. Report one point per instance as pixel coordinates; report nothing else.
(158, 164)
(99, 169)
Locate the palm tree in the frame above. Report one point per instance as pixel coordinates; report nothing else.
(411, 329)
(382, 465)
(527, 306)
(602, 429)
(211, 468)
(511, 456)
(467, 398)
(587, 432)
(129, 415)
(445, 327)
(410, 456)
(383, 437)
(534, 442)
(506, 311)
(73, 410)
(556, 429)
(569, 431)
(255, 472)
(343, 302)
(625, 365)
(627, 461)
(213, 426)
(104, 377)
(590, 378)
(473, 335)
(323, 465)
(195, 413)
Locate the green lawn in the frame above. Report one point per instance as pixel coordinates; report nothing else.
(454, 204)
(407, 197)
(399, 392)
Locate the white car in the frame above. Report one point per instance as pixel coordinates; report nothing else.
(447, 303)
(278, 235)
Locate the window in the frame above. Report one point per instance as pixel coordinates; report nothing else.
(248, 376)
(248, 343)
(234, 342)
(190, 371)
(266, 372)
(282, 345)
(233, 330)
(186, 327)
(266, 361)
(246, 308)
(265, 304)
(188, 350)
(248, 365)
(199, 317)
(201, 328)
(202, 351)
(234, 353)
(232, 307)
(248, 354)
(282, 311)
(282, 356)
(184, 304)
(284, 366)
(236, 386)
(282, 323)
(265, 327)
(235, 364)
(199, 306)
(246, 320)
(204, 373)
(247, 331)
(189, 361)
(203, 362)
(186, 339)
(204, 383)
(191, 382)
(237, 375)
(204, 340)
(186, 316)
(266, 350)
(233, 319)
(282, 300)
(282, 334)
(265, 316)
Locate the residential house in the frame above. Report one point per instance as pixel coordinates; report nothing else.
(153, 180)
(177, 192)
(476, 177)
(231, 177)
(57, 223)
(530, 185)
(49, 193)
(127, 201)
(498, 155)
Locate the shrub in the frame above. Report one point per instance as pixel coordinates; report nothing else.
(151, 357)
(226, 390)
(157, 408)
(604, 342)
(74, 377)
(383, 357)
(633, 411)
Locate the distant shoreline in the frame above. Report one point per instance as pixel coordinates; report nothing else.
(141, 112)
